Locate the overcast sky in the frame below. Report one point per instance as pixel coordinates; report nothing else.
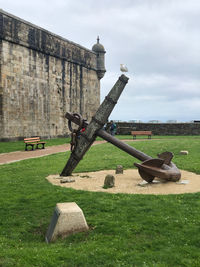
(158, 40)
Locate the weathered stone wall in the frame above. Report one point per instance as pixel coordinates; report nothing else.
(1, 97)
(160, 128)
(42, 76)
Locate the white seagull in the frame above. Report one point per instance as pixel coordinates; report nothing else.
(123, 68)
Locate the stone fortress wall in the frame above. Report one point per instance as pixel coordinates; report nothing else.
(42, 76)
(160, 128)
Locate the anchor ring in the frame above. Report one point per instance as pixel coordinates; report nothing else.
(78, 116)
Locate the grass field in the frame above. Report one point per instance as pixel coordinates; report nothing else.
(125, 230)
(6, 147)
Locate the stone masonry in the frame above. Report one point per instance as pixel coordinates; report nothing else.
(42, 76)
(160, 128)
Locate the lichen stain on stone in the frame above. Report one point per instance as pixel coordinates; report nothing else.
(16, 26)
(43, 40)
(31, 37)
(47, 63)
(81, 89)
(70, 82)
(1, 25)
(63, 52)
(63, 79)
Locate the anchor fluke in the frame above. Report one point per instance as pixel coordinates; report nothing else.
(167, 156)
(145, 176)
(149, 169)
(161, 168)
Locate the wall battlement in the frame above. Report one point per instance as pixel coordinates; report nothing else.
(21, 32)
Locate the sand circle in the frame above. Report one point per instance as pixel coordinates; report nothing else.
(128, 183)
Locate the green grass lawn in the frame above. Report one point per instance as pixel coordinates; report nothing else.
(6, 147)
(125, 230)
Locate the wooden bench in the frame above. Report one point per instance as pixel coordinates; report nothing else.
(135, 133)
(33, 141)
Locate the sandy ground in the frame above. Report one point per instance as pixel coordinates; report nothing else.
(128, 182)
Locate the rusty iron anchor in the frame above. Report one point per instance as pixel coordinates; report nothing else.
(161, 167)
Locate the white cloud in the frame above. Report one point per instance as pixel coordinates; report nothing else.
(157, 40)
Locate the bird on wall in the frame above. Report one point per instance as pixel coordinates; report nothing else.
(123, 68)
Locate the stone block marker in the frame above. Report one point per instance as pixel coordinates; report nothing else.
(109, 181)
(184, 152)
(67, 180)
(67, 219)
(119, 169)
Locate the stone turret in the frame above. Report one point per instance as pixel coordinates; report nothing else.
(100, 51)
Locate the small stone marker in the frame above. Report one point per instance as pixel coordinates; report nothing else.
(119, 169)
(145, 183)
(67, 180)
(67, 219)
(109, 181)
(183, 182)
(183, 152)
